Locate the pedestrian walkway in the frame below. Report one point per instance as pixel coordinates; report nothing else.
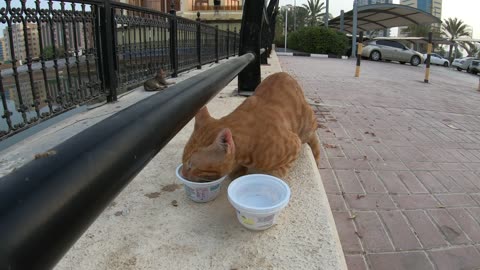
(400, 161)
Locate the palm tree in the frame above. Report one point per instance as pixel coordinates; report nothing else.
(453, 29)
(315, 8)
(470, 48)
(420, 30)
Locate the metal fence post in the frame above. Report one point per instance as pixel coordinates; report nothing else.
(228, 40)
(216, 44)
(199, 41)
(250, 38)
(107, 50)
(272, 17)
(173, 40)
(234, 41)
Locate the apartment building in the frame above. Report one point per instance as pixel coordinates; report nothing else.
(20, 41)
(382, 32)
(223, 13)
(2, 49)
(372, 2)
(433, 7)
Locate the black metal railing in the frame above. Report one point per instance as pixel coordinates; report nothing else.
(62, 54)
(54, 198)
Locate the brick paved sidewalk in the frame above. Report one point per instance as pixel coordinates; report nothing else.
(400, 161)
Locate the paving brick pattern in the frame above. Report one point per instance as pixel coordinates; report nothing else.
(400, 161)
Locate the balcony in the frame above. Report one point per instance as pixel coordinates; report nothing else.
(216, 5)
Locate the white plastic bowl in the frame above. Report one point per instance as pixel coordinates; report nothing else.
(200, 192)
(258, 199)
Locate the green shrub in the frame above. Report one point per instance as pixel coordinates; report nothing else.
(318, 40)
(280, 41)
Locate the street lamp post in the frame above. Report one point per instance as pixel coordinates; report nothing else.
(354, 29)
(294, 15)
(326, 18)
(286, 24)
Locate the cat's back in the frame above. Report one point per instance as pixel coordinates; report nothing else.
(280, 87)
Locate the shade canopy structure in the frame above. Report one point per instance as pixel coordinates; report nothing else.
(418, 40)
(381, 16)
(477, 40)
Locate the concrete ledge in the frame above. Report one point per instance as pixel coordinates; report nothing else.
(141, 229)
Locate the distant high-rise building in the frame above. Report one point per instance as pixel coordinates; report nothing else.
(19, 42)
(58, 34)
(373, 2)
(433, 7)
(2, 49)
(382, 32)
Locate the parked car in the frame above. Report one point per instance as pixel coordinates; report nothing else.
(462, 63)
(474, 67)
(436, 59)
(391, 51)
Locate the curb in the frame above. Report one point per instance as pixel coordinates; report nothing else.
(311, 55)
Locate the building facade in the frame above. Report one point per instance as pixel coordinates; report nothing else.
(2, 49)
(373, 2)
(223, 13)
(433, 7)
(64, 38)
(380, 32)
(20, 42)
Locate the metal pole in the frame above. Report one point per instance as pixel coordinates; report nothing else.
(173, 40)
(429, 52)
(286, 23)
(108, 47)
(359, 55)
(228, 40)
(250, 41)
(216, 44)
(342, 20)
(326, 14)
(354, 28)
(294, 15)
(47, 204)
(199, 41)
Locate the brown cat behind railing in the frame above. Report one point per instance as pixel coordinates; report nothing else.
(157, 83)
(264, 133)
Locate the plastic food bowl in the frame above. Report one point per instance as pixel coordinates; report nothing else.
(258, 199)
(200, 192)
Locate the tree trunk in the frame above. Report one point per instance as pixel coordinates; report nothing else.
(450, 53)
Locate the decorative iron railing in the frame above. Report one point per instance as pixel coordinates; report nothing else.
(60, 54)
(82, 175)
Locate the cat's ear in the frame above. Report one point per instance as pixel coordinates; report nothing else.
(202, 116)
(225, 140)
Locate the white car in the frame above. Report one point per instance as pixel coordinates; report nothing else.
(462, 63)
(436, 59)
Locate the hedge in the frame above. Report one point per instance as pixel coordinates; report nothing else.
(318, 40)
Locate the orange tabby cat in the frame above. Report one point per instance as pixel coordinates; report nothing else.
(264, 133)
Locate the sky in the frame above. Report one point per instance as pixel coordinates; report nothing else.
(466, 10)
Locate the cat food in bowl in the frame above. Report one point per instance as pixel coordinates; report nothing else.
(200, 191)
(258, 199)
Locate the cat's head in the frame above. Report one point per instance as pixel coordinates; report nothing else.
(210, 152)
(161, 73)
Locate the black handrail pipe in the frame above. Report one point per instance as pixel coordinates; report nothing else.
(46, 205)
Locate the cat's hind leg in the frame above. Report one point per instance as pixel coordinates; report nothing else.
(314, 144)
(295, 145)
